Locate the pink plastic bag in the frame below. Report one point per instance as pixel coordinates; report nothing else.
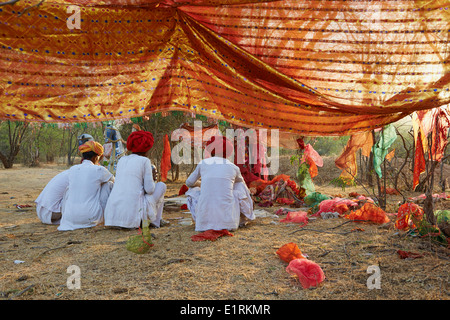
(339, 205)
(309, 273)
(296, 217)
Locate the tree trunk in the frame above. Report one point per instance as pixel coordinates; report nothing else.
(15, 139)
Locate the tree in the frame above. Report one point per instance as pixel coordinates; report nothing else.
(9, 149)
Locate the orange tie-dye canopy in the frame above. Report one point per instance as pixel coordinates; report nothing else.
(311, 67)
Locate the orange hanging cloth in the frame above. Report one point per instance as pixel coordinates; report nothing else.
(347, 160)
(165, 160)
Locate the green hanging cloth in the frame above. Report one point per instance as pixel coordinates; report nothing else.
(381, 148)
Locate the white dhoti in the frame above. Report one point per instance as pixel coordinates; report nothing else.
(155, 204)
(243, 209)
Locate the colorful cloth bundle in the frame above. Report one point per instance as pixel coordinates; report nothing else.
(369, 212)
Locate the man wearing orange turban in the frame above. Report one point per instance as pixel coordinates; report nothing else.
(223, 201)
(87, 193)
(136, 195)
(93, 147)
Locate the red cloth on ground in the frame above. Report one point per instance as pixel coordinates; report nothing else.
(211, 235)
(140, 141)
(309, 273)
(165, 160)
(289, 252)
(409, 255)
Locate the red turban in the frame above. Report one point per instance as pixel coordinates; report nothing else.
(140, 141)
(219, 145)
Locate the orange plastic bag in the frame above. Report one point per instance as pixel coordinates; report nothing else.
(369, 212)
(407, 213)
(289, 252)
(309, 273)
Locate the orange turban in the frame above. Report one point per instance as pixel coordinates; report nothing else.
(140, 141)
(91, 146)
(219, 145)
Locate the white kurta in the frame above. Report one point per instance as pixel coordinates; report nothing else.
(85, 198)
(222, 198)
(50, 199)
(135, 196)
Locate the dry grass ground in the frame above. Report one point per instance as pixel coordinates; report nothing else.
(243, 267)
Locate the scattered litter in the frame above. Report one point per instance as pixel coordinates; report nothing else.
(176, 200)
(329, 215)
(18, 261)
(185, 222)
(261, 213)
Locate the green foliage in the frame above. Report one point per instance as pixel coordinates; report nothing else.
(330, 146)
(343, 183)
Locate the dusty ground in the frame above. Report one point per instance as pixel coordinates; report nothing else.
(35, 257)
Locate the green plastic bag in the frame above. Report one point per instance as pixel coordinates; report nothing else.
(142, 242)
(315, 198)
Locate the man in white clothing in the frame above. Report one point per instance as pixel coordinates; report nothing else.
(48, 203)
(89, 187)
(223, 201)
(136, 196)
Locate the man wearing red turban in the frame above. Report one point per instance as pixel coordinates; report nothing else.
(136, 195)
(140, 141)
(219, 146)
(223, 201)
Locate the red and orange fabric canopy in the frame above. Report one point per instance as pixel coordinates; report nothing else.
(311, 67)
